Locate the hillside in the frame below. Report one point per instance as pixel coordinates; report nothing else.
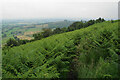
(90, 52)
(59, 24)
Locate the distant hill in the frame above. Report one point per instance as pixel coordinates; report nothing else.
(59, 24)
(90, 52)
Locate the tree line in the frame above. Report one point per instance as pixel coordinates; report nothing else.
(76, 25)
(48, 32)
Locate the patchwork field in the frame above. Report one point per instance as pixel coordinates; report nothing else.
(25, 30)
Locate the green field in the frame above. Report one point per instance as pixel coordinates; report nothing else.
(90, 52)
(17, 28)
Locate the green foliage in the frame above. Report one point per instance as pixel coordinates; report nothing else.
(98, 53)
(72, 27)
(38, 36)
(11, 42)
(81, 24)
(14, 42)
(57, 30)
(92, 52)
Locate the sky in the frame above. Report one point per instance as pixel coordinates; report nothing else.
(27, 9)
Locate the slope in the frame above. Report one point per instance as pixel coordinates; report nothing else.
(77, 52)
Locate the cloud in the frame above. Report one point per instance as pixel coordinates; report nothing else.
(13, 9)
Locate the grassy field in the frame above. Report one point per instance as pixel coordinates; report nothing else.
(90, 52)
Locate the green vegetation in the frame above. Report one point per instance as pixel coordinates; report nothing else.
(72, 27)
(90, 52)
(46, 32)
(26, 29)
(12, 42)
(59, 24)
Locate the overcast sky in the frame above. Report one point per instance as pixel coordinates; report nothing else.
(20, 9)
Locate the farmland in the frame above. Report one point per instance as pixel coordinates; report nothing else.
(25, 30)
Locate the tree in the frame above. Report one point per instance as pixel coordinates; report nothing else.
(79, 25)
(38, 36)
(103, 20)
(90, 22)
(64, 29)
(100, 20)
(12, 42)
(57, 31)
(23, 41)
(76, 25)
(47, 32)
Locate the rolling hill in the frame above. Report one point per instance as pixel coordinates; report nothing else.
(90, 52)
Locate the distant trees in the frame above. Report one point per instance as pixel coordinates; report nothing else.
(72, 27)
(23, 41)
(15, 42)
(90, 22)
(38, 36)
(64, 29)
(48, 32)
(45, 33)
(57, 31)
(76, 25)
(81, 24)
(100, 20)
(12, 42)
